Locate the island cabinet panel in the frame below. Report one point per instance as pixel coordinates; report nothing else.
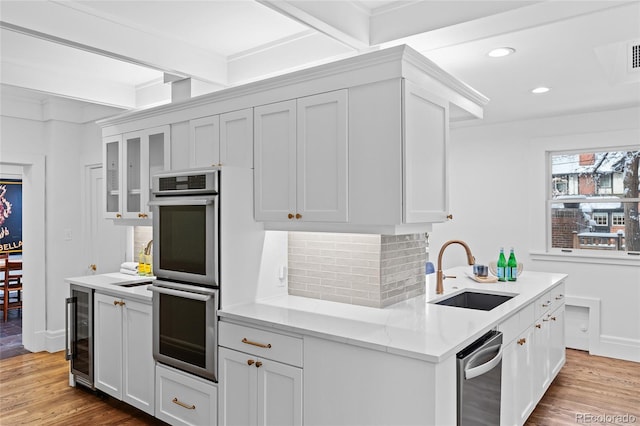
(348, 385)
(124, 365)
(534, 353)
(301, 159)
(260, 377)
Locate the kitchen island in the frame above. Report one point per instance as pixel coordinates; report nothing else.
(359, 365)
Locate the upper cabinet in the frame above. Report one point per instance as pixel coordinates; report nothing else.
(358, 145)
(301, 159)
(222, 140)
(130, 160)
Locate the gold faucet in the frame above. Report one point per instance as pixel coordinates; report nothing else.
(439, 276)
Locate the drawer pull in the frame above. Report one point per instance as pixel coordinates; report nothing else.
(538, 325)
(559, 297)
(260, 345)
(250, 362)
(522, 341)
(546, 305)
(183, 405)
(553, 318)
(258, 364)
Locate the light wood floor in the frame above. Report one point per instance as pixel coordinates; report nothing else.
(34, 390)
(590, 385)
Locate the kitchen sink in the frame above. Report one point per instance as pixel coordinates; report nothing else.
(475, 300)
(134, 284)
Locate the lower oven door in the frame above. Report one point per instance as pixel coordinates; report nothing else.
(185, 328)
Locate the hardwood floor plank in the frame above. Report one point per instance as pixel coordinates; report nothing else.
(34, 390)
(590, 385)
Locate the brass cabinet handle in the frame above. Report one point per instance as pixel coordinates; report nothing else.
(298, 216)
(553, 318)
(290, 215)
(258, 364)
(522, 341)
(260, 345)
(182, 404)
(118, 302)
(538, 325)
(115, 303)
(450, 216)
(546, 305)
(250, 362)
(93, 267)
(118, 215)
(559, 297)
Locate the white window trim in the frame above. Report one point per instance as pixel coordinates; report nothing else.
(574, 144)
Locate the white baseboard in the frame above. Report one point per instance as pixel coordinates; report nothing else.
(55, 341)
(618, 347)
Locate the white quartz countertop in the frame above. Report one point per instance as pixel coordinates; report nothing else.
(413, 328)
(116, 284)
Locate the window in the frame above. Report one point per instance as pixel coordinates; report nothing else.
(601, 219)
(594, 200)
(617, 219)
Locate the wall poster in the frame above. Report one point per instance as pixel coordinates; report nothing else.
(11, 215)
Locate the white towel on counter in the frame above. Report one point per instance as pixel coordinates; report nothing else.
(130, 266)
(128, 271)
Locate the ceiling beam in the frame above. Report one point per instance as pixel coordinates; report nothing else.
(343, 21)
(71, 24)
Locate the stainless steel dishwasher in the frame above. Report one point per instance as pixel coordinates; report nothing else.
(479, 381)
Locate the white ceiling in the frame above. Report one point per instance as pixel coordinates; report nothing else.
(116, 53)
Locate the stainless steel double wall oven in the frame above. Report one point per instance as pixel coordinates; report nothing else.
(186, 263)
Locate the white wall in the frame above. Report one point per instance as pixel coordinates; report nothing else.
(497, 192)
(54, 140)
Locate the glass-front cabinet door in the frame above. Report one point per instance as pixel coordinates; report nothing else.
(145, 153)
(112, 177)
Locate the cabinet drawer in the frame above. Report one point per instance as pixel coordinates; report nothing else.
(543, 304)
(516, 323)
(265, 344)
(558, 295)
(182, 399)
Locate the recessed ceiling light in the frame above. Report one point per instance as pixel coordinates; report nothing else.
(539, 90)
(501, 51)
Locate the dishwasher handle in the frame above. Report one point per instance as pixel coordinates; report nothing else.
(487, 366)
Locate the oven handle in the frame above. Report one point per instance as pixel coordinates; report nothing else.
(181, 201)
(179, 293)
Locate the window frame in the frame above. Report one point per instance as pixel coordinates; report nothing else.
(549, 201)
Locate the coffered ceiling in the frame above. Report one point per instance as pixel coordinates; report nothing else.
(120, 53)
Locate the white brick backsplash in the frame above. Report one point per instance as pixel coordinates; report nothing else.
(361, 269)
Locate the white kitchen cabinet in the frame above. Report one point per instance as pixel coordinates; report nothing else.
(130, 160)
(225, 139)
(112, 176)
(184, 399)
(301, 155)
(257, 386)
(124, 365)
(204, 142)
(534, 353)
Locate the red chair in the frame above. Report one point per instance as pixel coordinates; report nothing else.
(12, 283)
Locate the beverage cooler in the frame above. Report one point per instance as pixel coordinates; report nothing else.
(79, 335)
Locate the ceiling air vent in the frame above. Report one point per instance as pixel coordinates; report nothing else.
(634, 56)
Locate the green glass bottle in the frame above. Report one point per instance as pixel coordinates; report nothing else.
(512, 267)
(501, 266)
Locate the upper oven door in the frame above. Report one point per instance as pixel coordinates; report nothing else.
(185, 239)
